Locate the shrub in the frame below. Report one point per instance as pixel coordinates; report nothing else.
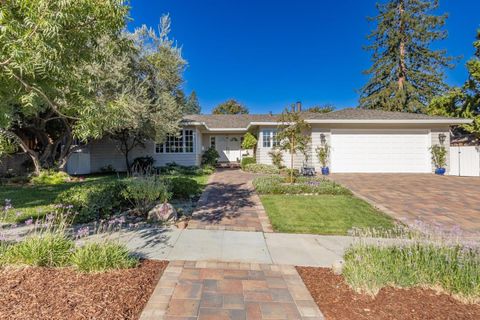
(246, 161)
(47, 250)
(456, 269)
(101, 257)
(439, 156)
(142, 164)
(108, 169)
(278, 185)
(145, 192)
(93, 201)
(249, 141)
(210, 156)
(50, 177)
(277, 158)
(323, 154)
(206, 169)
(182, 187)
(261, 168)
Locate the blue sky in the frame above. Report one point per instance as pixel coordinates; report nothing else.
(270, 53)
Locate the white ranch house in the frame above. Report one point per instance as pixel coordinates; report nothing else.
(361, 141)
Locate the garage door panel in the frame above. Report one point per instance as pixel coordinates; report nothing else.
(380, 151)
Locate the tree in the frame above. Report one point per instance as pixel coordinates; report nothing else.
(192, 106)
(250, 142)
(230, 107)
(406, 73)
(146, 82)
(463, 102)
(321, 109)
(47, 87)
(291, 134)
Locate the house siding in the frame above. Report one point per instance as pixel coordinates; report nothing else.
(264, 157)
(105, 152)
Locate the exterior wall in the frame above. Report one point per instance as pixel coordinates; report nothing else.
(206, 141)
(104, 152)
(264, 158)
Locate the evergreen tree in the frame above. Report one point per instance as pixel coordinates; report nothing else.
(406, 72)
(463, 102)
(192, 106)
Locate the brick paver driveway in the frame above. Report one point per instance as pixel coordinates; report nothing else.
(230, 203)
(448, 201)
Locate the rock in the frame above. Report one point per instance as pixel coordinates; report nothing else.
(182, 224)
(162, 212)
(337, 267)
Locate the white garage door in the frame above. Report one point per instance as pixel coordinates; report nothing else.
(380, 151)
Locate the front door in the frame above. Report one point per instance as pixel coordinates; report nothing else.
(228, 147)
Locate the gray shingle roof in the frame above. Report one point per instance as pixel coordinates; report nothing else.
(243, 120)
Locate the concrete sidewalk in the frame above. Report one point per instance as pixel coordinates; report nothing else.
(236, 246)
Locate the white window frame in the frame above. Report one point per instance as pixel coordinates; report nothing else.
(272, 141)
(160, 148)
(214, 140)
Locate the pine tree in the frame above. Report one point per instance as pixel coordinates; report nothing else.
(192, 106)
(406, 72)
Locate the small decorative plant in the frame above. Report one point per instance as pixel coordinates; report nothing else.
(323, 154)
(439, 158)
(210, 157)
(277, 158)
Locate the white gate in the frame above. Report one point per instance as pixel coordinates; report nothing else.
(465, 161)
(79, 163)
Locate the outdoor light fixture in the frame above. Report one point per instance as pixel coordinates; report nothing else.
(441, 138)
(323, 140)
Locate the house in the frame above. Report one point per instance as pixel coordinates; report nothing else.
(360, 140)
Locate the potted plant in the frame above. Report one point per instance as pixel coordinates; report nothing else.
(439, 157)
(323, 153)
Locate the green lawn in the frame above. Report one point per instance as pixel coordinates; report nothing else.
(36, 201)
(322, 214)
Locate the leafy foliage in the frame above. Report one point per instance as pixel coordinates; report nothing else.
(322, 109)
(93, 201)
(406, 73)
(323, 154)
(50, 177)
(101, 257)
(277, 158)
(246, 161)
(210, 157)
(183, 187)
(249, 141)
(291, 134)
(230, 107)
(463, 102)
(144, 192)
(439, 155)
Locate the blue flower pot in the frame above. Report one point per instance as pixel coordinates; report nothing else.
(440, 171)
(325, 171)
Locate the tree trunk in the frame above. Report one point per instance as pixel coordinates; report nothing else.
(402, 68)
(33, 155)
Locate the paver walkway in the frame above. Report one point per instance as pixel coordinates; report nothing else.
(447, 201)
(219, 290)
(229, 202)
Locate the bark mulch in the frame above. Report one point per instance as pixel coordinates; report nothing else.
(49, 293)
(338, 301)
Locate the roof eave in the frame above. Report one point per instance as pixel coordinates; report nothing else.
(391, 121)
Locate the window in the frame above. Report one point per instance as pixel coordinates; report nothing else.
(213, 142)
(183, 142)
(269, 138)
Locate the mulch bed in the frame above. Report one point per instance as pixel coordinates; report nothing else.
(338, 301)
(49, 293)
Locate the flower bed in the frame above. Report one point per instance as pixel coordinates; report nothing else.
(276, 184)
